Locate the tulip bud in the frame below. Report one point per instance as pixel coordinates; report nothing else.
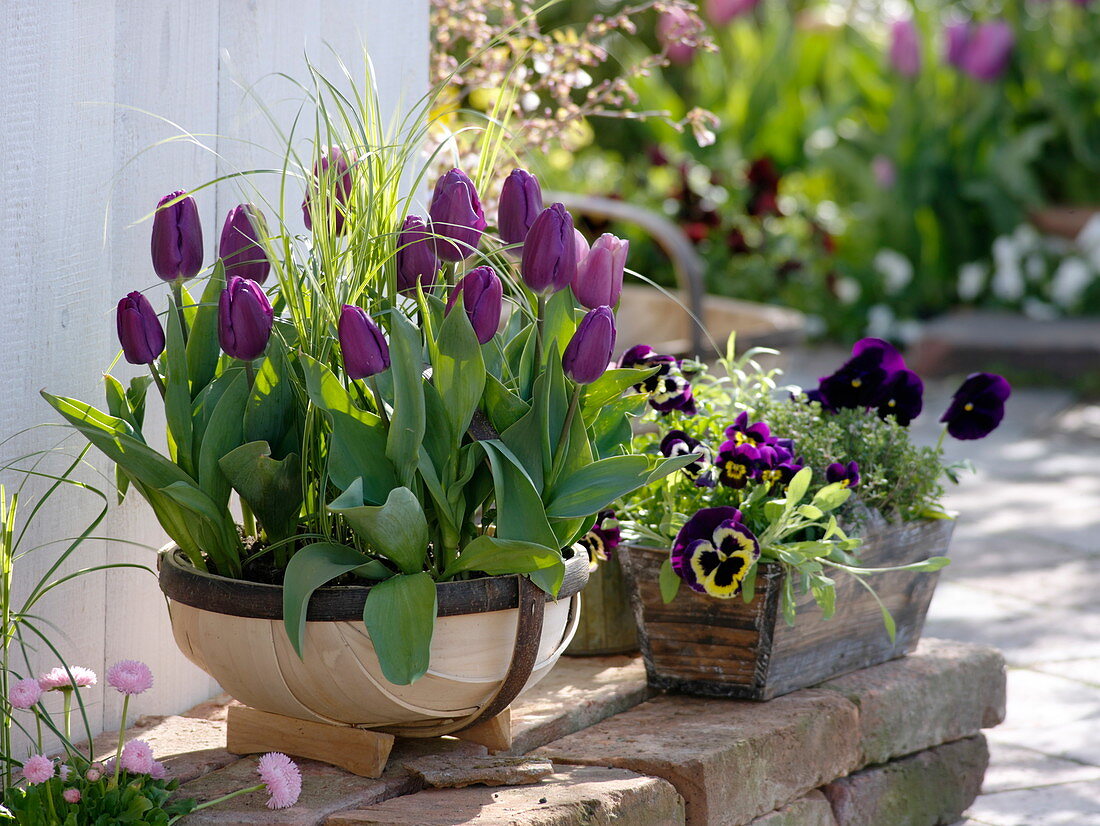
(721, 12)
(481, 293)
(177, 238)
(988, 50)
(520, 204)
(416, 261)
(139, 329)
(905, 48)
(582, 245)
(244, 319)
(362, 343)
(240, 249)
(599, 278)
(457, 217)
(550, 251)
(334, 173)
(589, 351)
(956, 37)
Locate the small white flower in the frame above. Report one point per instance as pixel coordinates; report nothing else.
(1008, 281)
(1035, 267)
(1026, 237)
(1088, 238)
(529, 101)
(971, 280)
(1039, 310)
(880, 321)
(848, 290)
(895, 268)
(1070, 280)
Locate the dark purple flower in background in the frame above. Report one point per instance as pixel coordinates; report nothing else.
(988, 50)
(245, 318)
(978, 406)
(713, 552)
(737, 464)
(457, 217)
(816, 395)
(905, 48)
(416, 260)
(602, 538)
(901, 396)
(481, 293)
(956, 36)
(362, 344)
(847, 475)
(139, 330)
(176, 241)
(763, 179)
(741, 432)
(858, 381)
(549, 260)
(334, 172)
(599, 275)
(520, 204)
(679, 443)
(588, 353)
(241, 245)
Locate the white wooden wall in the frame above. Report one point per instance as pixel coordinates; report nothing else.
(84, 86)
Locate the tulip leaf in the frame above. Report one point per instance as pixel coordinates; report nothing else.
(525, 440)
(503, 407)
(458, 370)
(406, 428)
(559, 324)
(439, 443)
(203, 349)
(613, 384)
(357, 445)
(396, 530)
(222, 434)
(177, 396)
(309, 569)
(272, 488)
(611, 425)
(400, 617)
(495, 557)
(217, 533)
(593, 487)
(270, 408)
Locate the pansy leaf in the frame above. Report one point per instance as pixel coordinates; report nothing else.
(400, 617)
(831, 496)
(397, 529)
(798, 486)
(495, 557)
(669, 581)
(309, 569)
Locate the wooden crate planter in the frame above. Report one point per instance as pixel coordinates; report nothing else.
(607, 623)
(726, 648)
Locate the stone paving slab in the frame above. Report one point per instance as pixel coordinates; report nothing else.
(931, 788)
(1017, 767)
(730, 760)
(899, 714)
(583, 795)
(1069, 804)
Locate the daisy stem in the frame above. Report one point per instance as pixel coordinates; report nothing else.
(48, 788)
(221, 799)
(68, 711)
(38, 725)
(121, 734)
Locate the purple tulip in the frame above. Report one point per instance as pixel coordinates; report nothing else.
(905, 48)
(416, 261)
(177, 237)
(978, 406)
(857, 382)
(457, 217)
(362, 343)
(520, 204)
(599, 277)
(481, 293)
(988, 50)
(244, 319)
(241, 248)
(714, 552)
(139, 329)
(673, 28)
(581, 246)
(721, 12)
(550, 252)
(956, 38)
(901, 396)
(334, 173)
(589, 351)
(847, 475)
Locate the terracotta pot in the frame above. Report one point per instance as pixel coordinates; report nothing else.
(729, 648)
(233, 630)
(607, 624)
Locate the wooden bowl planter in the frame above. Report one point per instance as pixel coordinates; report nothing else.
(494, 637)
(607, 623)
(726, 648)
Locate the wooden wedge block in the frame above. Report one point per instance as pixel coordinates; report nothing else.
(495, 733)
(359, 751)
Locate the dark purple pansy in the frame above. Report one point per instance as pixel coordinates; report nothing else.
(978, 406)
(714, 552)
(847, 475)
(678, 443)
(859, 379)
(741, 432)
(737, 464)
(901, 396)
(602, 538)
(816, 395)
(668, 389)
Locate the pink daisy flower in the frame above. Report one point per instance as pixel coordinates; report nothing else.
(38, 769)
(158, 771)
(64, 771)
(95, 772)
(137, 757)
(130, 677)
(71, 795)
(24, 693)
(282, 778)
(57, 680)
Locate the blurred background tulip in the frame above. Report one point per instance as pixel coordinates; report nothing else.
(334, 174)
(905, 48)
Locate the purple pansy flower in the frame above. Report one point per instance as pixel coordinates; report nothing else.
(679, 443)
(668, 389)
(901, 396)
(741, 432)
(847, 475)
(859, 379)
(714, 552)
(737, 464)
(978, 406)
(602, 538)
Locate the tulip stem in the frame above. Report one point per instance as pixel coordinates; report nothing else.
(157, 379)
(250, 375)
(381, 405)
(540, 332)
(177, 304)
